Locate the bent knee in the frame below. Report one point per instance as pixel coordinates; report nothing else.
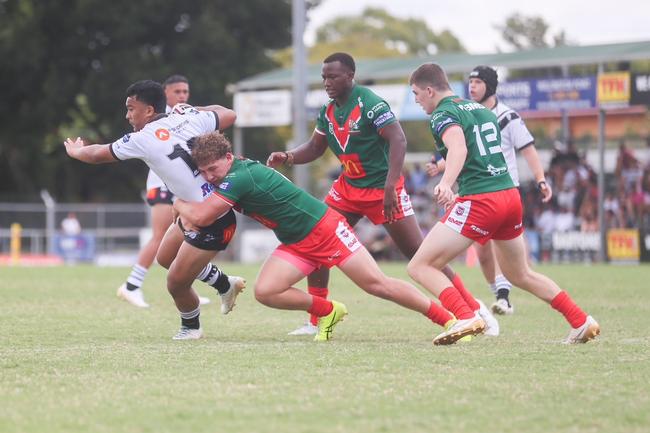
(416, 269)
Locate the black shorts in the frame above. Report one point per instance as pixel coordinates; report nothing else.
(158, 196)
(215, 237)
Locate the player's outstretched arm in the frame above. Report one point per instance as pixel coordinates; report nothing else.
(91, 154)
(306, 152)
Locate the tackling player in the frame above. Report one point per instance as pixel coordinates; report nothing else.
(312, 235)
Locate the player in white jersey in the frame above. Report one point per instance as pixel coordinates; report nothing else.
(483, 81)
(162, 142)
(160, 200)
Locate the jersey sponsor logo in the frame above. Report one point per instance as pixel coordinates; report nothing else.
(228, 233)
(225, 186)
(437, 116)
(440, 125)
(454, 221)
(162, 134)
(335, 195)
(460, 210)
(495, 171)
(380, 121)
(341, 133)
(126, 138)
(207, 189)
(352, 167)
(479, 230)
(347, 237)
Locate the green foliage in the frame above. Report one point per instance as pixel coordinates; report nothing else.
(71, 60)
(74, 358)
(525, 32)
(375, 34)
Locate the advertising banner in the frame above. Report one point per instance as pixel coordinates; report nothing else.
(640, 89)
(614, 89)
(623, 244)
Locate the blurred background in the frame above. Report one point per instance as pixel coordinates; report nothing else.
(578, 73)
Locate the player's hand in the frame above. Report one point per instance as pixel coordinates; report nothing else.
(546, 190)
(432, 169)
(187, 225)
(276, 159)
(391, 205)
(72, 146)
(445, 195)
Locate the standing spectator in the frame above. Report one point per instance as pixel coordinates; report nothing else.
(70, 225)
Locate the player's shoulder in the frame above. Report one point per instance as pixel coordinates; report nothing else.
(501, 109)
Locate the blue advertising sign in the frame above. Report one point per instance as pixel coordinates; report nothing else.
(564, 93)
(551, 94)
(516, 94)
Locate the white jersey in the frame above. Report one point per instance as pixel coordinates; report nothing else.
(153, 180)
(514, 136)
(163, 146)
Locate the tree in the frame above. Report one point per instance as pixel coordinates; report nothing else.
(522, 32)
(67, 64)
(375, 34)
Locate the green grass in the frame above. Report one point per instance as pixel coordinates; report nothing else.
(73, 358)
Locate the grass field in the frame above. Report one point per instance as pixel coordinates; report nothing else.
(74, 358)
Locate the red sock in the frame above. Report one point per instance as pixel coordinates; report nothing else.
(467, 296)
(321, 292)
(438, 315)
(320, 307)
(571, 312)
(452, 301)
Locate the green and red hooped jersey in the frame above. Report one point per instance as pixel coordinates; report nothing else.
(352, 133)
(267, 196)
(485, 169)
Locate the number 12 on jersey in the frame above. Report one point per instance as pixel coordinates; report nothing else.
(488, 131)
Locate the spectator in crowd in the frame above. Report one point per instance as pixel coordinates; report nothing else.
(70, 225)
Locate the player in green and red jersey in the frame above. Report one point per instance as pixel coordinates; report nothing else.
(487, 206)
(364, 134)
(312, 236)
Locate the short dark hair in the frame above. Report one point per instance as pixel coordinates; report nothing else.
(150, 92)
(430, 74)
(344, 58)
(173, 79)
(210, 147)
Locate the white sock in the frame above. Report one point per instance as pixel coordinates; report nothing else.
(136, 278)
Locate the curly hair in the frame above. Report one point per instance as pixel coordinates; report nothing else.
(210, 147)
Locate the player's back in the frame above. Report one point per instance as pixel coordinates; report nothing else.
(163, 146)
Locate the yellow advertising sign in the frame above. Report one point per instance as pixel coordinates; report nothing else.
(614, 87)
(623, 244)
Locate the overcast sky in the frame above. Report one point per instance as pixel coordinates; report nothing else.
(472, 21)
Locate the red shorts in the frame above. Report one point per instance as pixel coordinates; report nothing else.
(330, 243)
(491, 215)
(368, 202)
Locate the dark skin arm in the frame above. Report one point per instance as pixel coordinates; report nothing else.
(306, 152)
